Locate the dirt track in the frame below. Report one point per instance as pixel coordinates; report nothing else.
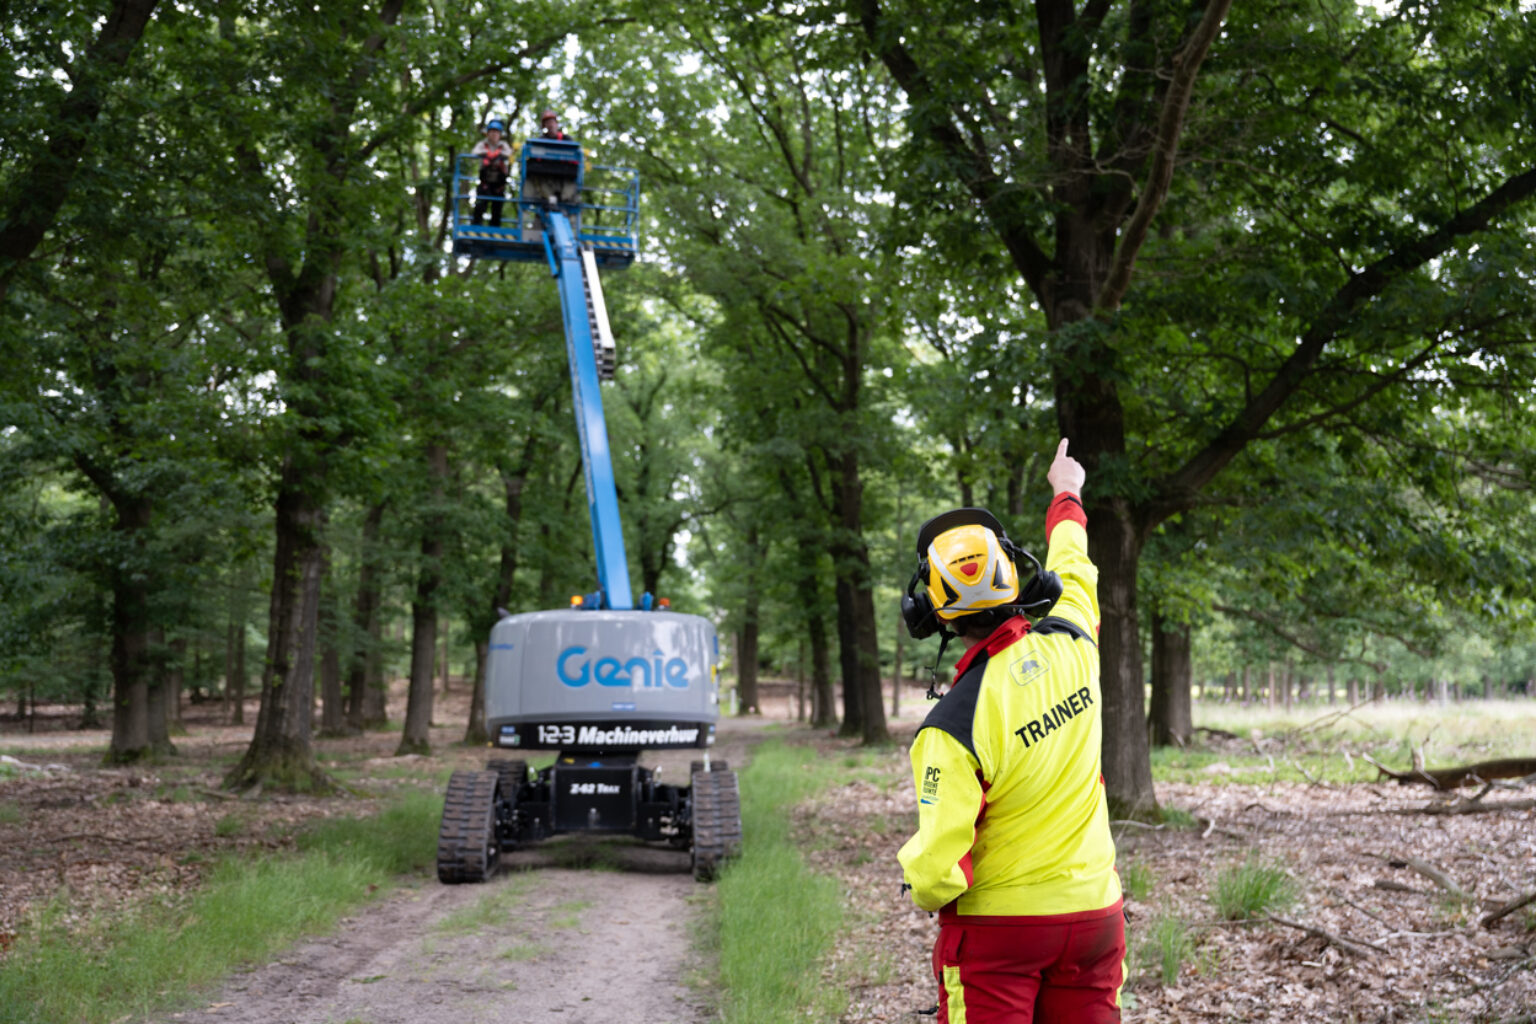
(571, 945)
(580, 930)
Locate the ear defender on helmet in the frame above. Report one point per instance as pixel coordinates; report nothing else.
(967, 564)
(916, 609)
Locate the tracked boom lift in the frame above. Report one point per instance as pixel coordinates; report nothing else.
(609, 677)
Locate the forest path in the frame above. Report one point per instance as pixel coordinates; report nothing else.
(536, 943)
(575, 930)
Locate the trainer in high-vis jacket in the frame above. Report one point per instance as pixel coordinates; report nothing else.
(1013, 847)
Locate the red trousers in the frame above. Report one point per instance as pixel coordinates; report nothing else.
(1066, 969)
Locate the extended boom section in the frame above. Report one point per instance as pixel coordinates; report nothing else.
(580, 300)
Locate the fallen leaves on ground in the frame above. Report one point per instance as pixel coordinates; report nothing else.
(93, 842)
(1339, 843)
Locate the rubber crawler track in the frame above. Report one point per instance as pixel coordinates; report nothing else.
(716, 822)
(466, 840)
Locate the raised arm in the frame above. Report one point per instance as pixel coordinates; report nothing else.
(1066, 531)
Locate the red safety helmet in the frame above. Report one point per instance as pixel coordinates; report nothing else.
(548, 115)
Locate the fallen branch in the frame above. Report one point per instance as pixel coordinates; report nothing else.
(1460, 807)
(1359, 947)
(1463, 775)
(146, 843)
(1210, 826)
(1489, 920)
(1432, 873)
(1364, 910)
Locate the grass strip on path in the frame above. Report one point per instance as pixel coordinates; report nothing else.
(146, 961)
(774, 920)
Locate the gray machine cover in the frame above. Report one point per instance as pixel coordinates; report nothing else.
(602, 680)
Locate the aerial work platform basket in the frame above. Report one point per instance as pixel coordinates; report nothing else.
(603, 206)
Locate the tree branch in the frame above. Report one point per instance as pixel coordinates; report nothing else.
(1165, 147)
(38, 191)
(1175, 490)
(982, 181)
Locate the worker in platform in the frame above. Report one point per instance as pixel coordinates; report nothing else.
(1013, 847)
(495, 170)
(549, 127)
(547, 189)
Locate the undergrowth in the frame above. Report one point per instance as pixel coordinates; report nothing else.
(1164, 945)
(1251, 888)
(108, 968)
(772, 918)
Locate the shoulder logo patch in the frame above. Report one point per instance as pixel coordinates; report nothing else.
(1026, 669)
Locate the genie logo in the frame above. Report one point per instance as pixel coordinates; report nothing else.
(645, 673)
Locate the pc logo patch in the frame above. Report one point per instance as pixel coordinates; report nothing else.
(930, 785)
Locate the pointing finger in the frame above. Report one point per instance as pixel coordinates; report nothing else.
(1061, 449)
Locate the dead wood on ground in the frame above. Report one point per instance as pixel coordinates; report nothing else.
(1463, 775)
(1492, 918)
(1359, 947)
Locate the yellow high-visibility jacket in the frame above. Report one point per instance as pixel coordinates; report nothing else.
(1012, 819)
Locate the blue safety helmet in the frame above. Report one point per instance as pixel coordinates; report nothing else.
(496, 125)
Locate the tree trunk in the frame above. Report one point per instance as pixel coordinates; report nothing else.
(800, 678)
(1333, 687)
(513, 480)
(474, 732)
(416, 738)
(160, 696)
(1352, 690)
(133, 650)
(823, 700)
(901, 632)
(746, 658)
(333, 715)
(1127, 762)
(90, 718)
(746, 663)
(130, 676)
(858, 638)
(444, 627)
(175, 684)
(1171, 716)
(747, 699)
(363, 676)
(1287, 678)
(234, 676)
(281, 755)
(1247, 685)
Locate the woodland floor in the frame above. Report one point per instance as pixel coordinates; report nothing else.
(1420, 953)
(1387, 943)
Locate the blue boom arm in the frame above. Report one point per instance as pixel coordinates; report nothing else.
(566, 264)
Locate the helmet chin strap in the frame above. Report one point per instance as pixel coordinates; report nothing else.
(945, 636)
